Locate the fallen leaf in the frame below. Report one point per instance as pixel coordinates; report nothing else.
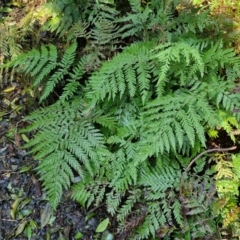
(24, 169)
(21, 227)
(2, 113)
(17, 140)
(107, 236)
(102, 225)
(89, 215)
(28, 231)
(9, 89)
(66, 232)
(45, 215)
(60, 237)
(14, 207)
(78, 235)
(26, 212)
(25, 138)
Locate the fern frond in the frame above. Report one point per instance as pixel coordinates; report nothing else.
(61, 15)
(170, 120)
(113, 201)
(62, 70)
(135, 22)
(177, 212)
(236, 165)
(152, 223)
(70, 145)
(111, 80)
(194, 207)
(128, 205)
(161, 180)
(32, 61)
(170, 53)
(39, 64)
(46, 68)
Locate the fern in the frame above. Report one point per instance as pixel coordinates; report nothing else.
(137, 97)
(37, 63)
(61, 15)
(161, 181)
(136, 21)
(147, 22)
(63, 69)
(153, 221)
(121, 74)
(127, 208)
(73, 84)
(40, 65)
(177, 211)
(181, 120)
(76, 145)
(170, 53)
(227, 183)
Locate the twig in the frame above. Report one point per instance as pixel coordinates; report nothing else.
(94, 209)
(197, 157)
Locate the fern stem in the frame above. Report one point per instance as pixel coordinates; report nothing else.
(197, 157)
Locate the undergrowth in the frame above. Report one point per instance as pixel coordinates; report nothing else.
(140, 92)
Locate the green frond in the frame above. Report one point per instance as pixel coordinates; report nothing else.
(80, 193)
(161, 180)
(169, 54)
(128, 205)
(111, 79)
(154, 219)
(61, 71)
(62, 15)
(212, 133)
(194, 207)
(171, 119)
(70, 145)
(177, 212)
(73, 85)
(46, 68)
(113, 201)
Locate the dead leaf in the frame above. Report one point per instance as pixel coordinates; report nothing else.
(17, 140)
(9, 89)
(21, 227)
(37, 186)
(14, 207)
(45, 215)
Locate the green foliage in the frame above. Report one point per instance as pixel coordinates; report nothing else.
(62, 14)
(126, 73)
(41, 64)
(135, 102)
(227, 183)
(74, 149)
(19, 32)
